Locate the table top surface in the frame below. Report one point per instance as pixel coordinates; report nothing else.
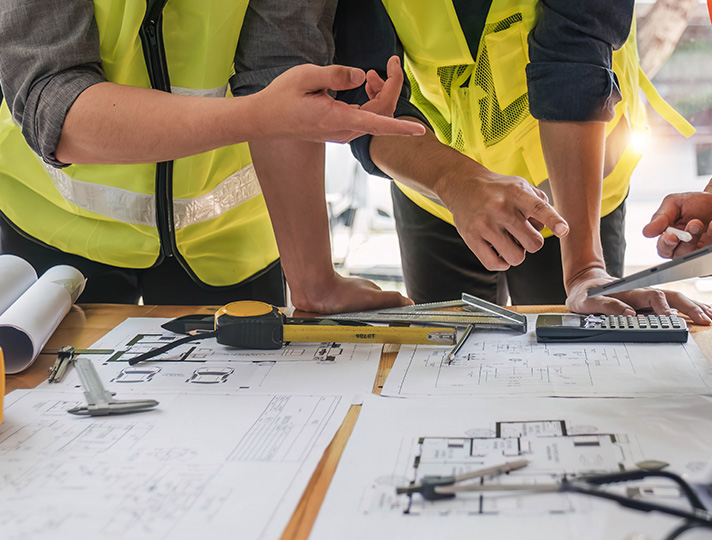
(85, 324)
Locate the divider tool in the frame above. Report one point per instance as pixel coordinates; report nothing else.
(100, 401)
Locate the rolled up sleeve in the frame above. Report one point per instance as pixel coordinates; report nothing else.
(278, 35)
(366, 39)
(570, 49)
(50, 55)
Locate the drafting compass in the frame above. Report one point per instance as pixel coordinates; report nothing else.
(100, 401)
(468, 311)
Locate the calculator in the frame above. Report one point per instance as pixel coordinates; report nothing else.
(610, 328)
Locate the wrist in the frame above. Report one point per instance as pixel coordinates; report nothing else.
(593, 270)
(460, 179)
(251, 117)
(309, 293)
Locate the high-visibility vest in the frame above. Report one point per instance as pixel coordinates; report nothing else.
(478, 103)
(207, 210)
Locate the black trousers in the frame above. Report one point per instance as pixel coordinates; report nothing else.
(166, 283)
(438, 265)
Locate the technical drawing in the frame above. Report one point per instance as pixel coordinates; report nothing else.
(327, 352)
(199, 352)
(141, 374)
(552, 451)
(489, 364)
(210, 375)
(218, 369)
(187, 475)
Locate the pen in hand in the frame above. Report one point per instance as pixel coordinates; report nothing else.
(683, 236)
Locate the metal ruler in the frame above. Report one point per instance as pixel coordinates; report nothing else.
(100, 401)
(470, 310)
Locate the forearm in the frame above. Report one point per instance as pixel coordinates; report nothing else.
(574, 157)
(425, 164)
(113, 123)
(291, 174)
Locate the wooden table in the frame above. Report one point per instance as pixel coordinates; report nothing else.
(85, 324)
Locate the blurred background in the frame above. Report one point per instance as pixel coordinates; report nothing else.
(675, 44)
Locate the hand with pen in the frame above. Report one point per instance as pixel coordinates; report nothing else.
(689, 212)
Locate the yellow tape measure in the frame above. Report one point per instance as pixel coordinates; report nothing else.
(257, 325)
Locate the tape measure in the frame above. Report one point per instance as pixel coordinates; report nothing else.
(256, 325)
(249, 324)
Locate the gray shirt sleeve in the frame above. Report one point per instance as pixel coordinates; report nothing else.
(570, 76)
(278, 35)
(50, 55)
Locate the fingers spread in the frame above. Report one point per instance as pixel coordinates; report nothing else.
(334, 78)
(374, 84)
(349, 123)
(386, 98)
(699, 312)
(599, 304)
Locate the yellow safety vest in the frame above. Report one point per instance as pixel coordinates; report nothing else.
(480, 106)
(208, 211)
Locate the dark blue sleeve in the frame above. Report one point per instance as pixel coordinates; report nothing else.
(365, 38)
(570, 49)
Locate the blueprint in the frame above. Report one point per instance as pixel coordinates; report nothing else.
(442, 436)
(209, 368)
(503, 364)
(200, 466)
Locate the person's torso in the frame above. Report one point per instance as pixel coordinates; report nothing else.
(206, 209)
(466, 65)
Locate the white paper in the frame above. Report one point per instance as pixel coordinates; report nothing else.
(208, 367)
(199, 466)
(396, 442)
(506, 364)
(16, 276)
(29, 322)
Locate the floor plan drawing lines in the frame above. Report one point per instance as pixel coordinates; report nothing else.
(208, 367)
(195, 468)
(498, 364)
(441, 437)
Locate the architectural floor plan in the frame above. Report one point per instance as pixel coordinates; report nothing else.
(208, 367)
(503, 364)
(398, 442)
(200, 466)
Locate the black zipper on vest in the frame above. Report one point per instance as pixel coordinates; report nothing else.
(151, 33)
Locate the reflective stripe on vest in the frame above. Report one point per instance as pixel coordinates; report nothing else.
(107, 213)
(140, 208)
(220, 91)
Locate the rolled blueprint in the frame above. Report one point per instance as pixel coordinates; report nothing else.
(16, 276)
(29, 322)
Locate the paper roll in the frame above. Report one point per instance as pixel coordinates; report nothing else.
(16, 276)
(29, 322)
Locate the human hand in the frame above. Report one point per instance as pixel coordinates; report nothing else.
(661, 301)
(499, 217)
(341, 295)
(691, 212)
(297, 104)
(383, 95)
